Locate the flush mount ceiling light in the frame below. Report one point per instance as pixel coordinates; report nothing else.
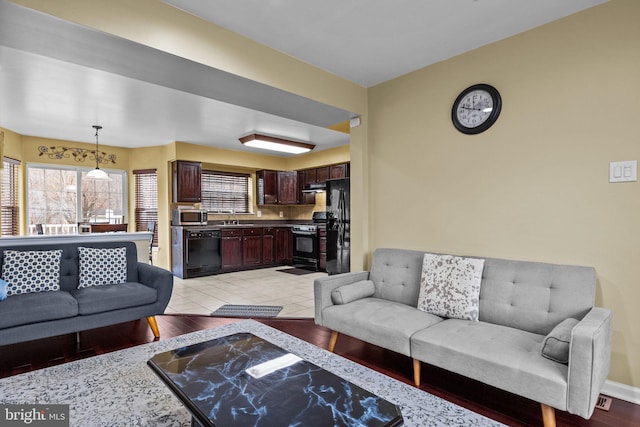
(97, 174)
(272, 143)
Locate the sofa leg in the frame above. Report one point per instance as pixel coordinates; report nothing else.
(416, 372)
(548, 415)
(333, 340)
(154, 326)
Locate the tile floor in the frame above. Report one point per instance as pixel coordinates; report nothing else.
(202, 295)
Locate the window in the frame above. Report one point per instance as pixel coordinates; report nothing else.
(146, 200)
(10, 205)
(52, 197)
(225, 192)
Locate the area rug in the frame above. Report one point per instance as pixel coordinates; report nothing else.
(296, 271)
(231, 310)
(119, 389)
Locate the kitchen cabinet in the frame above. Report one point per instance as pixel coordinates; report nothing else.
(322, 247)
(187, 181)
(251, 247)
(287, 187)
(322, 174)
(231, 247)
(267, 187)
(277, 187)
(339, 171)
(284, 246)
(268, 246)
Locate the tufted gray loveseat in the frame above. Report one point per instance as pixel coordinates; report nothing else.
(520, 303)
(37, 315)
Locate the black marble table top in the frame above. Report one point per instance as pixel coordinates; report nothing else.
(216, 382)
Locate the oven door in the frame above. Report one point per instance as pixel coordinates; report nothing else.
(305, 248)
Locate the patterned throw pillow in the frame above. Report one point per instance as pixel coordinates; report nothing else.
(102, 266)
(450, 286)
(31, 271)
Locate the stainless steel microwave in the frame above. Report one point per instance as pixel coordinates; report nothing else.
(189, 217)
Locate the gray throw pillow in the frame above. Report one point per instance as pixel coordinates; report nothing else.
(353, 291)
(556, 344)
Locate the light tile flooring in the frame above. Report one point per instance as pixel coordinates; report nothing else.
(202, 295)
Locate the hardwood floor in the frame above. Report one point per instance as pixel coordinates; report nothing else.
(493, 403)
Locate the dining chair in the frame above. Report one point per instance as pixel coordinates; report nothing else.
(151, 226)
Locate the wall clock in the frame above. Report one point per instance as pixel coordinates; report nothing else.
(476, 109)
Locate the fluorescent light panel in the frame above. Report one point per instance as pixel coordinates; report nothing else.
(276, 144)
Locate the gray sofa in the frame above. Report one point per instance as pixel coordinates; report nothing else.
(522, 307)
(34, 315)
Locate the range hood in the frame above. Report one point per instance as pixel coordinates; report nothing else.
(315, 188)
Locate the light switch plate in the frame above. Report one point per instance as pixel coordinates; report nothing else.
(623, 171)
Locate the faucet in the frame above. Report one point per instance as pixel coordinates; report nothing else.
(234, 221)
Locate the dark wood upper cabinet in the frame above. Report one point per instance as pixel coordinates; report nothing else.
(339, 171)
(277, 187)
(287, 187)
(322, 174)
(267, 187)
(187, 181)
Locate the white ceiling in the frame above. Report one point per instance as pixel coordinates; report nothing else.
(57, 79)
(372, 41)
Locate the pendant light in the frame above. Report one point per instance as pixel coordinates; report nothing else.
(97, 174)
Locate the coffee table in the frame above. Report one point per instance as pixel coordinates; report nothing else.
(244, 380)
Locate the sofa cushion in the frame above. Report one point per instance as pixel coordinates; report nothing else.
(37, 307)
(353, 291)
(98, 299)
(31, 271)
(450, 286)
(102, 266)
(500, 356)
(384, 323)
(556, 344)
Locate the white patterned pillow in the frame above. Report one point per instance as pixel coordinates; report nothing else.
(450, 286)
(102, 266)
(31, 271)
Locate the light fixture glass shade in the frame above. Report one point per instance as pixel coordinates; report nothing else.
(276, 144)
(98, 175)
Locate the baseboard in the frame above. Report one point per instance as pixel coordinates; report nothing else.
(621, 391)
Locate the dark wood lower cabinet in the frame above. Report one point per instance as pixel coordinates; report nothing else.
(231, 246)
(322, 248)
(256, 247)
(252, 247)
(284, 246)
(268, 246)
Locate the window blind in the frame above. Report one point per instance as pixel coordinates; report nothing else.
(146, 210)
(10, 205)
(223, 192)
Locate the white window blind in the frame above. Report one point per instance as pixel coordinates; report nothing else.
(146, 210)
(224, 192)
(10, 204)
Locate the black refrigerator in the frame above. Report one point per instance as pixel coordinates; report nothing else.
(338, 226)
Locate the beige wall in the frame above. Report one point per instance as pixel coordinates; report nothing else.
(535, 185)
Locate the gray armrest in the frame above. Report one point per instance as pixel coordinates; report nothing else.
(323, 286)
(159, 279)
(589, 358)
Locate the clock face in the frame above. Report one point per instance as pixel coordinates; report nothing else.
(476, 109)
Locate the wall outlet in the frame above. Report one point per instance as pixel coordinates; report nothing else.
(281, 214)
(259, 214)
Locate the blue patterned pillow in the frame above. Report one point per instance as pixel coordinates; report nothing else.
(102, 266)
(31, 271)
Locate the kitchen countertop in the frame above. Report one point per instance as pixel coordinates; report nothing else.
(219, 225)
